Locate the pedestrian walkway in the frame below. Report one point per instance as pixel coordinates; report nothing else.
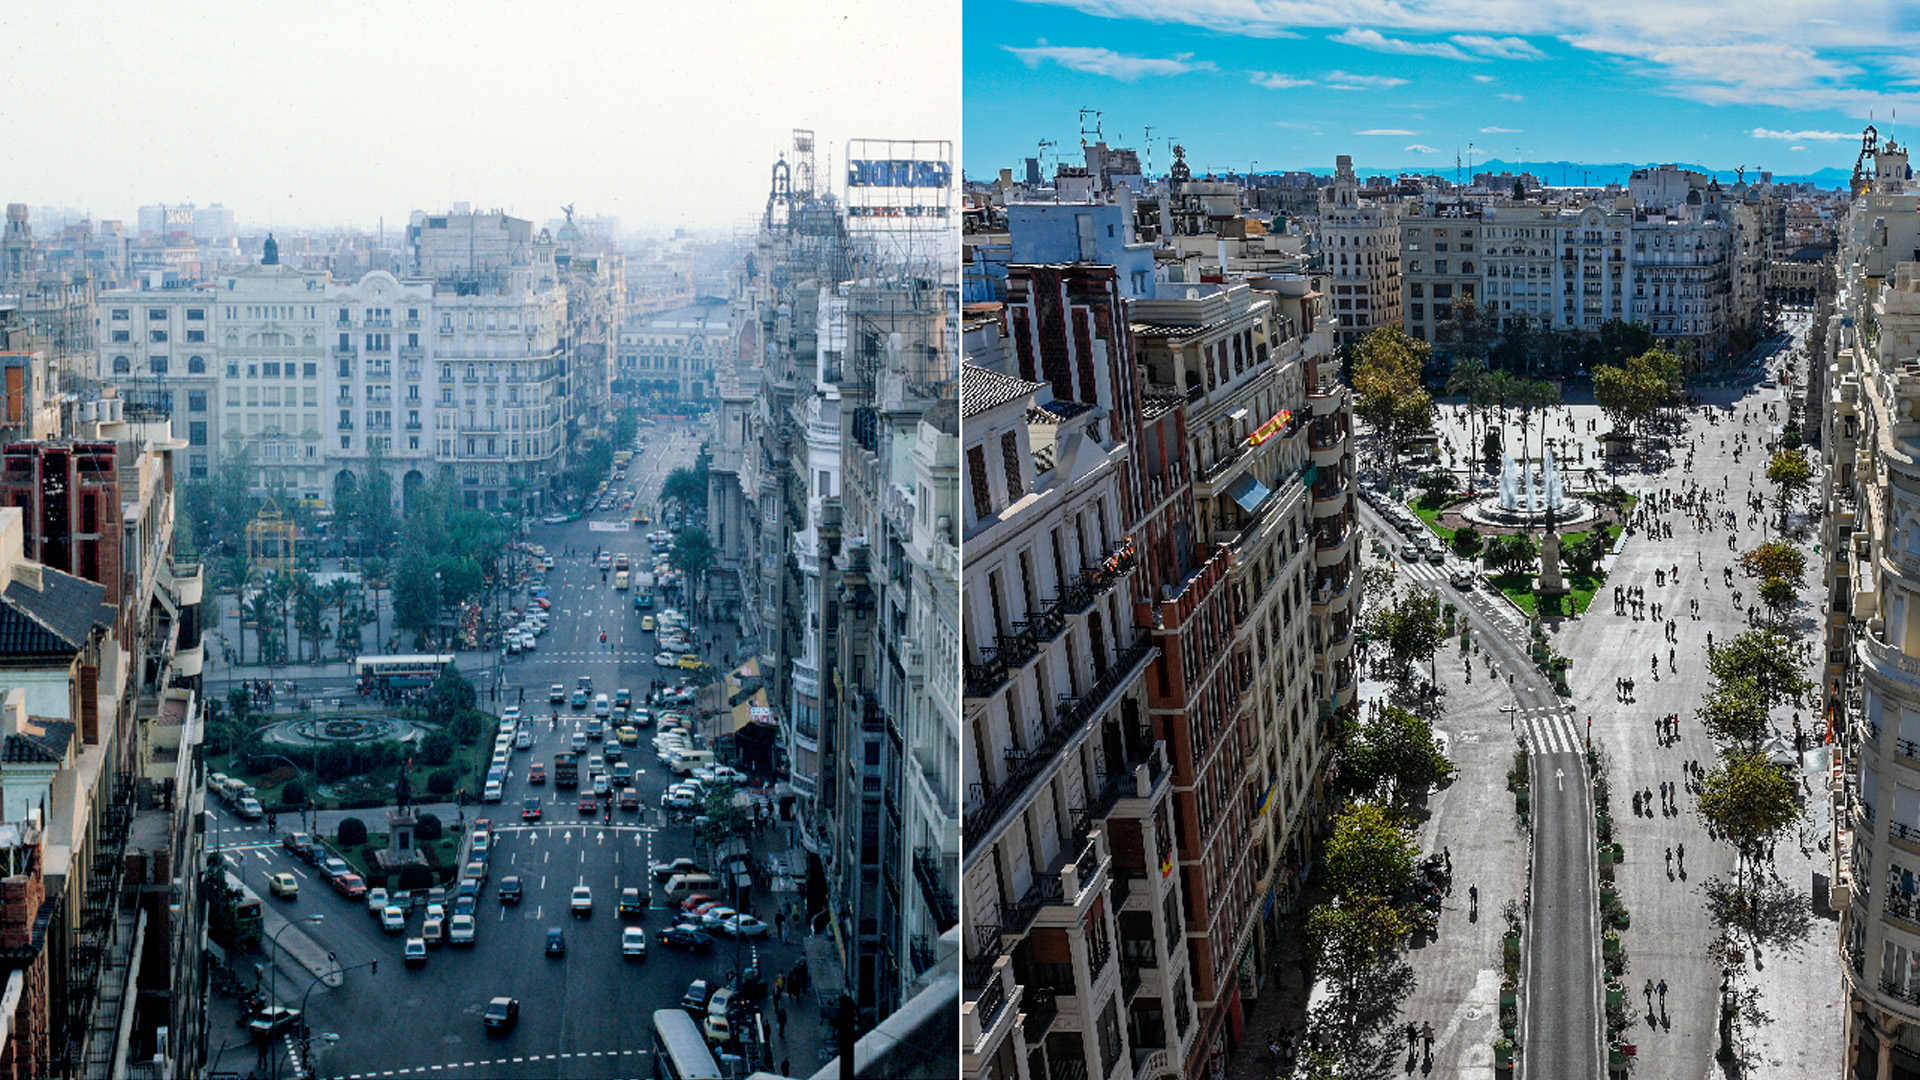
(1549, 731)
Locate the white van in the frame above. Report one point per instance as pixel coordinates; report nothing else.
(681, 886)
(686, 761)
(602, 708)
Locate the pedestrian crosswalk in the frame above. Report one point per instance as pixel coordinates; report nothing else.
(1548, 730)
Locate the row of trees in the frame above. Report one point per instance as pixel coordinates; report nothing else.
(1633, 391)
(1490, 392)
(1747, 797)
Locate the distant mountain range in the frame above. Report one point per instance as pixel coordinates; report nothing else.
(1575, 173)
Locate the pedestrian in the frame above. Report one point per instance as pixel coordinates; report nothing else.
(1413, 1035)
(1426, 1035)
(1663, 993)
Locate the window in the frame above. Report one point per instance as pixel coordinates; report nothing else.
(123, 335)
(346, 442)
(158, 314)
(1010, 460)
(309, 369)
(122, 365)
(157, 364)
(121, 313)
(271, 371)
(977, 476)
(197, 433)
(196, 335)
(156, 335)
(195, 314)
(196, 401)
(196, 365)
(233, 369)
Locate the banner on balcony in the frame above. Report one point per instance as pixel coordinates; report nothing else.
(1271, 428)
(1249, 493)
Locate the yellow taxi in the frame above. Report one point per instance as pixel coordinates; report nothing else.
(646, 623)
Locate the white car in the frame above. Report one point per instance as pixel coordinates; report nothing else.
(666, 660)
(393, 918)
(725, 774)
(509, 716)
(522, 739)
(739, 926)
(582, 903)
(633, 942)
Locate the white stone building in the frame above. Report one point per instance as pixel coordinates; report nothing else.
(1360, 253)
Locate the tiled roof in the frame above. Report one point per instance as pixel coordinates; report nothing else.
(60, 614)
(983, 388)
(1056, 411)
(42, 741)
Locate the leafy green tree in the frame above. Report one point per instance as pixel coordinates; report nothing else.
(1490, 448)
(1516, 553)
(1583, 555)
(1775, 559)
(450, 696)
(1779, 595)
(687, 485)
(1467, 379)
(1751, 802)
(416, 596)
(1734, 712)
(309, 614)
(1768, 659)
(1394, 755)
(692, 555)
(258, 609)
(1350, 938)
(436, 748)
(1790, 474)
(1410, 628)
(1369, 854)
(1438, 486)
(352, 832)
(1467, 541)
(1388, 392)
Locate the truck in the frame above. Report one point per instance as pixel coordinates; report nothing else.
(643, 589)
(566, 770)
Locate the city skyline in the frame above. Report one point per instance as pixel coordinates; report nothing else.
(266, 124)
(1273, 86)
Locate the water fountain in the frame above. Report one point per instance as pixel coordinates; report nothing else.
(1526, 498)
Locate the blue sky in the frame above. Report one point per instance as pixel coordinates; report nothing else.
(1408, 84)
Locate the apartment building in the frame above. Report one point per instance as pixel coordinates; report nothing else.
(1069, 816)
(670, 356)
(1360, 255)
(1872, 569)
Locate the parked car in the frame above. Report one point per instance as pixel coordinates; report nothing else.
(460, 930)
(350, 886)
(688, 938)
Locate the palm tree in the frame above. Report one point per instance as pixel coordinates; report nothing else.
(283, 587)
(373, 576)
(258, 609)
(1468, 377)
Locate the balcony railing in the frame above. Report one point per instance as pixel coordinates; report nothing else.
(1900, 905)
(1046, 889)
(1039, 1005)
(1129, 981)
(1087, 864)
(926, 871)
(1099, 951)
(1239, 451)
(989, 949)
(1072, 713)
(992, 999)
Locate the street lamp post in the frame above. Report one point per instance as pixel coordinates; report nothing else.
(274, 972)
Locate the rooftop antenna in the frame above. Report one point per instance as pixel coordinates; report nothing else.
(1084, 113)
(1149, 149)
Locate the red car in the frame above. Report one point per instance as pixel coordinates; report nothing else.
(588, 806)
(484, 824)
(350, 886)
(696, 900)
(545, 604)
(537, 773)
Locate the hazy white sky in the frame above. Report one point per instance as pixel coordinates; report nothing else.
(664, 113)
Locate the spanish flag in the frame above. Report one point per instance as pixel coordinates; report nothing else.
(1833, 708)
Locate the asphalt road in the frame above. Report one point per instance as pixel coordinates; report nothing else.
(582, 1015)
(1562, 1022)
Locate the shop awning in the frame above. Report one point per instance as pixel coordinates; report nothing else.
(1249, 493)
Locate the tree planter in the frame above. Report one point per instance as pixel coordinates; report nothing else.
(1606, 857)
(1623, 919)
(1619, 853)
(1511, 944)
(1610, 943)
(1522, 798)
(1503, 1053)
(1616, 994)
(1509, 995)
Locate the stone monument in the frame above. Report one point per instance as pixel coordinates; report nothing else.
(401, 822)
(1551, 582)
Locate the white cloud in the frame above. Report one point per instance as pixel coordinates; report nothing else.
(1501, 48)
(1501, 131)
(1347, 80)
(1483, 78)
(1386, 131)
(1798, 136)
(1513, 97)
(1796, 148)
(1092, 60)
(1421, 148)
(1275, 80)
(1378, 42)
(1790, 54)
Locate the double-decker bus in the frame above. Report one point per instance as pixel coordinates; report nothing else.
(400, 672)
(679, 1050)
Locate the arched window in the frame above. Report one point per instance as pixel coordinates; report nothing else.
(1466, 267)
(196, 365)
(122, 365)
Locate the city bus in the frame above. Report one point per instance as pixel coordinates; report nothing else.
(400, 672)
(679, 1050)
